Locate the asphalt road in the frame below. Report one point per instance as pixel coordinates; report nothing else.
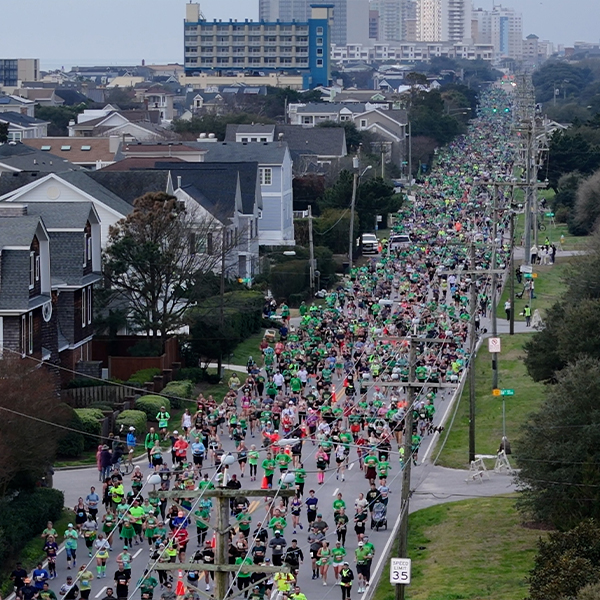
(76, 483)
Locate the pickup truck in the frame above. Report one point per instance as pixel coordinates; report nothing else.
(369, 243)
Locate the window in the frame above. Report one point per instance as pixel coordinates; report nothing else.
(46, 148)
(266, 176)
(89, 306)
(319, 62)
(15, 136)
(89, 247)
(30, 333)
(363, 122)
(319, 51)
(86, 148)
(37, 268)
(31, 270)
(23, 334)
(319, 31)
(85, 251)
(65, 148)
(83, 306)
(209, 244)
(319, 41)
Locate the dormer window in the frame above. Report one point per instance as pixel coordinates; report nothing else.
(32, 262)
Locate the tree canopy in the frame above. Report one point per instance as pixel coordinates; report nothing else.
(153, 259)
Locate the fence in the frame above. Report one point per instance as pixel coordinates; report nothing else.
(104, 394)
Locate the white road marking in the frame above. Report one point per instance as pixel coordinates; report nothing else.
(137, 553)
(336, 491)
(351, 466)
(100, 592)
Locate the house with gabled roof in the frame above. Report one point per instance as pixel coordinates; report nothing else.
(11, 103)
(22, 126)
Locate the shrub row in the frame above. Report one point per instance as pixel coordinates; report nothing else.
(24, 517)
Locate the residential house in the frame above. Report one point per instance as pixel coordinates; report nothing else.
(16, 104)
(314, 149)
(165, 150)
(17, 157)
(41, 96)
(313, 113)
(156, 97)
(22, 126)
(140, 125)
(75, 266)
(26, 303)
(203, 102)
(275, 225)
(229, 193)
(89, 153)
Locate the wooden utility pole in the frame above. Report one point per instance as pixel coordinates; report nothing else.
(221, 568)
(494, 303)
(352, 209)
(311, 248)
(512, 274)
(472, 343)
(407, 462)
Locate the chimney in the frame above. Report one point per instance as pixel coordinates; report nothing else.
(10, 209)
(178, 181)
(113, 143)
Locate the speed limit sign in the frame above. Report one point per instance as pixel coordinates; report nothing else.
(400, 571)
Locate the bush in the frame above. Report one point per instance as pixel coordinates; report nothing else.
(175, 390)
(143, 375)
(193, 374)
(129, 418)
(100, 406)
(91, 419)
(150, 405)
(24, 517)
(296, 299)
(71, 444)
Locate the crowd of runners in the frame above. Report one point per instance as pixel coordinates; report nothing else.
(310, 406)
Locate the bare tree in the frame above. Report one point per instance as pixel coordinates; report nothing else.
(155, 255)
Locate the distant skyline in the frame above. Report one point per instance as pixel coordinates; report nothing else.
(81, 32)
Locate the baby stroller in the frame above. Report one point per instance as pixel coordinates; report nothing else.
(379, 516)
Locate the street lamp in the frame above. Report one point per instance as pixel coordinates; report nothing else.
(355, 182)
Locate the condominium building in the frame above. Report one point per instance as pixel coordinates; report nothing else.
(13, 71)
(444, 20)
(501, 27)
(224, 48)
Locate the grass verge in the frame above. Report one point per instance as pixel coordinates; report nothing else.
(456, 554)
(488, 414)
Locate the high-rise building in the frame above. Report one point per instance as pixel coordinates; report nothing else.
(444, 20)
(501, 27)
(249, 46)
(350, 17)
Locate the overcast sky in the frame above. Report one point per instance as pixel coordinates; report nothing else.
(86, 32)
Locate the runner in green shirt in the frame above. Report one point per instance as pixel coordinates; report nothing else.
(338, 553)
(268, 464)
(283, 460)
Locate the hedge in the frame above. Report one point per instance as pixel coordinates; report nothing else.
(24, 517)
(143, 375)
(135, 418)
(91, 422)
(71, 444)
(193, 374)
(151, 404)
(178, 389)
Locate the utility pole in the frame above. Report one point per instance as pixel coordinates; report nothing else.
(409, 157)
(356, 166)
(407, 460)
(512, 275)
(472, 337)
(494, 299)
(221, 568)
(312, 253)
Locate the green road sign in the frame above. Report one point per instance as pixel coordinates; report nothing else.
(507, 392)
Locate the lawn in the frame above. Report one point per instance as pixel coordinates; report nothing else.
(488, 415)
(554, 232)
(549, 285)
(456, 554)
(243, 350)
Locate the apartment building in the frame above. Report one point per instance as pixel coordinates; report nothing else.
(13, 71)
(224, 48)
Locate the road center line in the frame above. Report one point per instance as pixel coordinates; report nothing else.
(100, 592)
(351, 466)
(137, 553)
(336, 491)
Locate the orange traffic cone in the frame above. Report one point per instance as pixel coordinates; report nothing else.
(265, 484)
(180, 587)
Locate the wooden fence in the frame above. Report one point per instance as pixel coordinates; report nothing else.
(105, 394)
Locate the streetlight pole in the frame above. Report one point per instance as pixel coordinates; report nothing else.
(355, 182)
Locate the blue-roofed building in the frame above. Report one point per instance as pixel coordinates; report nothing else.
(259, 47)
